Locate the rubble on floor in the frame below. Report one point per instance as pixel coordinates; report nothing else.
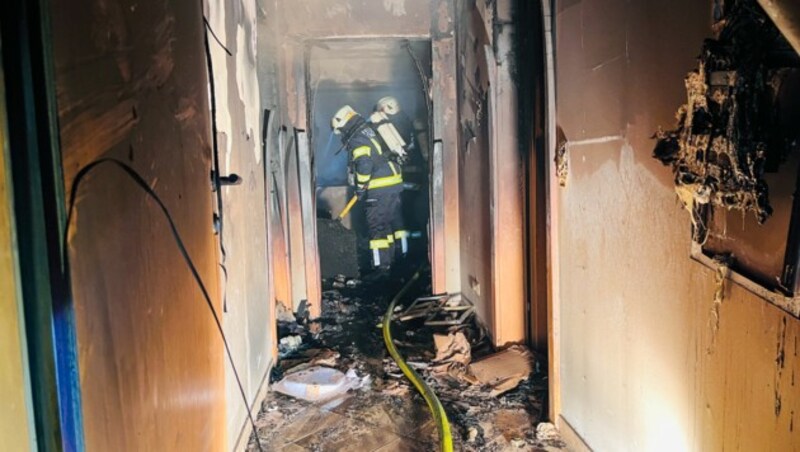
(438, 310)
(289, 344)
(342, 281)
(504, 370)
(453, 355)
(490, 408)
(284, 314)
(320, 383)
(340, 250)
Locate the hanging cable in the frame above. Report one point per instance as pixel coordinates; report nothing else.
(216, 175)
(211, 30)
(141, 183)
(214, 141)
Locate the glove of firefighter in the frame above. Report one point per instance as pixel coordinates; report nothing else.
(401, 156)
(361, 192)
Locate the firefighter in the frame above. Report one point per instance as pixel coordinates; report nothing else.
(378, 183)
(414, 166)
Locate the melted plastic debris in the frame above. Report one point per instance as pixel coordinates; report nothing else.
(724, 139)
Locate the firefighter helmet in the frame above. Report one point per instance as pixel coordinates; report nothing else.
(388, 105)
(342, 116)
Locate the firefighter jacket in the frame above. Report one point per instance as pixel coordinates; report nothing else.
(371, 167)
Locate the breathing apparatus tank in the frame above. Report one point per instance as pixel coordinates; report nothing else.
(389, 134)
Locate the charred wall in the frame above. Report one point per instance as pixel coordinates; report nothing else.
(277, 136)
(490, 169)
(647, 360)
(474, 158)
(131, 84)
(245, 282)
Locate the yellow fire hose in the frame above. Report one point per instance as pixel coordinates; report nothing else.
(347, 208)
(435, 406)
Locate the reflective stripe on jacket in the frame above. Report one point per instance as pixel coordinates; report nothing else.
(371, 167)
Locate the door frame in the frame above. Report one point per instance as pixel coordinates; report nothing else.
(552, 194)
(40, 219)
(305, 139)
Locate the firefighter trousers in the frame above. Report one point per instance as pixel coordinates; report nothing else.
(384, 214)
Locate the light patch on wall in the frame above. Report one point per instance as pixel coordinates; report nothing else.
(618, 373)
(336, 9)
(247, 76)
(216, 20)
(396, 7)
(664, 431)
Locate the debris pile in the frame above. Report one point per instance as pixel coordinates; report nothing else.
(439, 310)
(284, 314)
(342, 281)
(504, 370)
(340, 250)
(320, 383)
(727, 134)
(453, 355)
(493, 398)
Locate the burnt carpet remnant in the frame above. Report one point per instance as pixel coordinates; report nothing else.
(383, 411)
(727, 135)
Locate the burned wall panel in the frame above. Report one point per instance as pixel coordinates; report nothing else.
(490, 170)
(295, 226)
(735, 145)
(642, 366)
(133, 77)
(272, 104)
(722, 145)
(508, 183)
(243, 243)
(445, 237)
(730, 232)
(475, 162)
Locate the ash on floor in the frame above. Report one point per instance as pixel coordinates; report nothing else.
(388, 414)
(338, 248)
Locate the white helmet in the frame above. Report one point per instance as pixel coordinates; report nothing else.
(388, 105)
(341, 118)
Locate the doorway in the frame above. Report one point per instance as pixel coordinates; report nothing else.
(359, 73)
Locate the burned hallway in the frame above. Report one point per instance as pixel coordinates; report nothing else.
(388, 225)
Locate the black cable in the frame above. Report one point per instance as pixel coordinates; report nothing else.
(181, 247)
(215, 150)
(208, 27)
(214, 141)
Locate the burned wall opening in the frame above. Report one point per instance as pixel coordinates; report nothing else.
(734, 150)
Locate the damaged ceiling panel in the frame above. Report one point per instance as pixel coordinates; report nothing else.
(726, 136)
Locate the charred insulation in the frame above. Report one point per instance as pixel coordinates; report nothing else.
(727, 134)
